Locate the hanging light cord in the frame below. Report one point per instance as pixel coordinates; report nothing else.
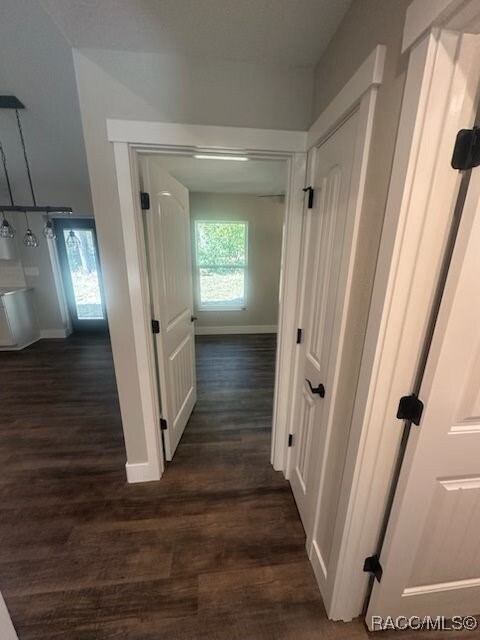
(22, 140)
(4, 162)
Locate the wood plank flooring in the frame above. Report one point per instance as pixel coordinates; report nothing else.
(215, 550)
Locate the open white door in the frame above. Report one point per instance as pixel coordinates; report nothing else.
(327, 250)
(170, 265)
(431, 557)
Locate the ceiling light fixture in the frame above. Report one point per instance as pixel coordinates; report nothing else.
(201, 156)
(6, 229)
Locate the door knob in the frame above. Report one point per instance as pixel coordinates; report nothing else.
(319, 391)
(193, 318)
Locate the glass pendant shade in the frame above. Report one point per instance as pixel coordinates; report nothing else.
(6, 229)
(72, 240)
(30, 239)
(49, 230)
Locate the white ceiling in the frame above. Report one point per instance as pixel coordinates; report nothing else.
(256, 177)
(288, 32)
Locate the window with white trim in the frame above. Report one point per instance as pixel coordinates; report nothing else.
(221, 264)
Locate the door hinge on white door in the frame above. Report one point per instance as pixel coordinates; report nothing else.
(290, 439)
(299, 336)
(144, 200)
(310, 191)
(410, 408)
(466, 152)
(155, 326)
(163, 424)
(372, 565)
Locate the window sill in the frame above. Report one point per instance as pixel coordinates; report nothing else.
(221, 308)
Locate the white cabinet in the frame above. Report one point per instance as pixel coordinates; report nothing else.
(18, 319)
(8, 249)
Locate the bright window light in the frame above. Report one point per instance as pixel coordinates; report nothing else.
(200, 156)
(221, 264)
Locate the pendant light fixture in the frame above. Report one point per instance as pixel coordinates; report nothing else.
(72, 241)
(6, 229)
(49, 229)
(29, 239)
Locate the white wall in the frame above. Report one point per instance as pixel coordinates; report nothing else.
(165, 88)
(265, 224)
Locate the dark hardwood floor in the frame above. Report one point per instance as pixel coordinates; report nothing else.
(215, 550)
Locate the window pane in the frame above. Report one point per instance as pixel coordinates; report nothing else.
(82, 261)
(220, 243)
(222, 287)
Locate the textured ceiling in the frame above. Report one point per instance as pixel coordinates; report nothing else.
(256, 177)
(288, 32)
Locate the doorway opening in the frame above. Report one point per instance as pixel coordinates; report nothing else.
(213, 237)
(81, 273)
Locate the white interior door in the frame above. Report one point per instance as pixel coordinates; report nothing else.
(431, 554)
(170, 265)
(327, 252)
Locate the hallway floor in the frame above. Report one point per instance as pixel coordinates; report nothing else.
(214, 551)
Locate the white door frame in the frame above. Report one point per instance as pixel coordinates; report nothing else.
(439, 99)
(131, 137)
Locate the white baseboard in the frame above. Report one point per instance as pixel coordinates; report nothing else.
(141, 472)
(234, 329)
(50, 334)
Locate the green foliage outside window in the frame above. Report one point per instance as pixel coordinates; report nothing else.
(221, 251)
(221, 244)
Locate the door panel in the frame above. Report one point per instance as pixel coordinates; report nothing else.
(431, 557)
(326, 253)
(169, 247)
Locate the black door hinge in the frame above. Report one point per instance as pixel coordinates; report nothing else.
(466, 152)
(163, 424)
(290, 439)
(299, 335)
(410, 408)
(155, 326)
(144, 200)
(372, 565)
(310, 196)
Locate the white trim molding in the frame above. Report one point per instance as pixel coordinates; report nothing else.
(236, 329)
(52, 334)
(131, 138)
(141, 472)
(368, 75)
(203, 137)
(462, 16)
(139, 301)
